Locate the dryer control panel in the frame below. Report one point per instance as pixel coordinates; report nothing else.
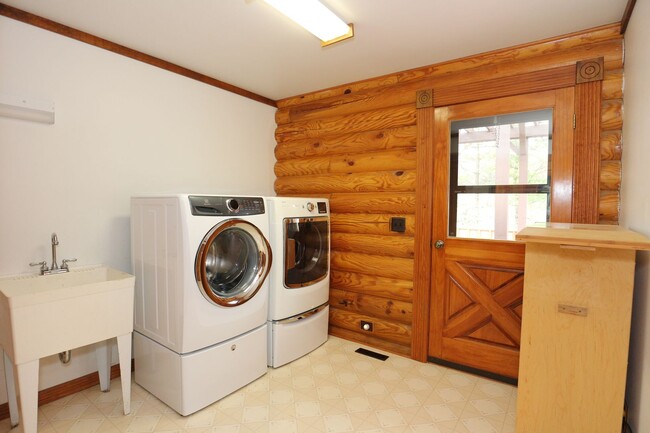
(209, 205)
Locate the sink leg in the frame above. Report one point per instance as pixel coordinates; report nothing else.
(124, 350)
(103, 354)
(11, 390)
(28, 394)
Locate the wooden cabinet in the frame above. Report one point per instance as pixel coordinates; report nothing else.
(577, 307)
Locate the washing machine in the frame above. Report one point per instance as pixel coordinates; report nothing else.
(300, 277)
(201, 295)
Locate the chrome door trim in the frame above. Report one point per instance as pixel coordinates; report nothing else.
(264, 258)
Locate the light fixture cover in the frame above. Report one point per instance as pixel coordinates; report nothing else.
(313, 16)
(32, 110)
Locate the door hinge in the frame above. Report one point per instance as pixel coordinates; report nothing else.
(574, 120)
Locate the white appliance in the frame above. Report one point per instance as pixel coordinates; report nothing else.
(300, 277)
(201, 295)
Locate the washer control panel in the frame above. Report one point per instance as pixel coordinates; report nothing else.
(208, 205)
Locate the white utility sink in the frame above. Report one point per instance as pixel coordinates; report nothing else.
(42, 315)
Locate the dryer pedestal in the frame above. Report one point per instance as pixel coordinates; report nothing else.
(192, 381)
(291, 338)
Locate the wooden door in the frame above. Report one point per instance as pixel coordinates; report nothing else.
(477, 284)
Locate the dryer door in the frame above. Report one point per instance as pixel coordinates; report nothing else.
(232, 262)
(306, 249)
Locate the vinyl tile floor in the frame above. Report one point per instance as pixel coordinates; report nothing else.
(331, 390)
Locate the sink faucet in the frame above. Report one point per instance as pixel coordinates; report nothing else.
(54, 269)
(55, 243)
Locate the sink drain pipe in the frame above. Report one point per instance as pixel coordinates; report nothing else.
(65, 357)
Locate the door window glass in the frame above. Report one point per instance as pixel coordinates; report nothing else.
(306, 251)
(231, 263)
(500, 174)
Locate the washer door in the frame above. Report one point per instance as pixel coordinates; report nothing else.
(232, 262)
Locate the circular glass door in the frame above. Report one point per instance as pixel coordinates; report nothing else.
(232, 262)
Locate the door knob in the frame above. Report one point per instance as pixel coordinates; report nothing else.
(439, 244)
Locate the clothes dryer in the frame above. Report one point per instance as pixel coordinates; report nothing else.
(300, 277)
(201, 296)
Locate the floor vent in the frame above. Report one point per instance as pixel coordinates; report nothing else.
(372, 354)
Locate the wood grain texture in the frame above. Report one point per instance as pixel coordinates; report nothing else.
(369, 340)
(391, 331)
(400, 159)
(381, 266)
(386, 118)
(610, 175)
(586, 153)
(98, 42)
(380, 181)
(612, 85)
(611, 116)
(610, 145)
(374, 306)
(600, 280)
(338, 144)
(392, 288)
(608, 206)
(395, 246)
(371, 224)
(378, 202)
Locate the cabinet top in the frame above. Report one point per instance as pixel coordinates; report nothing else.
(591, 235)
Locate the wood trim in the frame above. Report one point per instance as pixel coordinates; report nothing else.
(532, 82)
(629, 8)
(423, 227)
(586, 156)
(590, 70)
(65, 389)
(61, 29)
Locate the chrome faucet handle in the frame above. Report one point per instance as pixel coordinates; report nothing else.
(42, 264)
(64, 263)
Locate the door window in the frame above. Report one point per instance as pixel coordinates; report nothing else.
(306, 251)
(232, 262)
(500, 174)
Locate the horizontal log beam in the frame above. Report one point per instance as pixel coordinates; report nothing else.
(612, 85)
(366, 141)
(610, 175)
(387, 118)
(608, 206)
(381, 266)
(611, 115)
(385, 329)
(392, 288)
(373, 306)
(400, 159)
(610, 145)
(377, 202)
(371, 224)
(394, 246)
(382, 181)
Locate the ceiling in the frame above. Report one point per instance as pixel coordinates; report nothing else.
(249, 44)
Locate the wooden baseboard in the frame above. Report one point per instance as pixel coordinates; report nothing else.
(67, 388)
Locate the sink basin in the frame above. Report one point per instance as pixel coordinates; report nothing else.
(41, 315)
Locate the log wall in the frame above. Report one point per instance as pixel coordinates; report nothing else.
(356, 145)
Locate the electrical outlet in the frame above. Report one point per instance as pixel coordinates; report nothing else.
(398, 224)
(366, 326)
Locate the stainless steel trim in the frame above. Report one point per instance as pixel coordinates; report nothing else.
(302, 316)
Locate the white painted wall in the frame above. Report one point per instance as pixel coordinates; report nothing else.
(635, 205)
(122, 127)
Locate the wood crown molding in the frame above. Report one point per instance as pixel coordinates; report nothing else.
(627, 15)
(61, 29)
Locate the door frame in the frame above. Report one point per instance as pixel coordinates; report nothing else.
(586, 163)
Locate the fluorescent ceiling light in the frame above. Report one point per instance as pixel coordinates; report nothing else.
(31, 110)
(316, 18)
